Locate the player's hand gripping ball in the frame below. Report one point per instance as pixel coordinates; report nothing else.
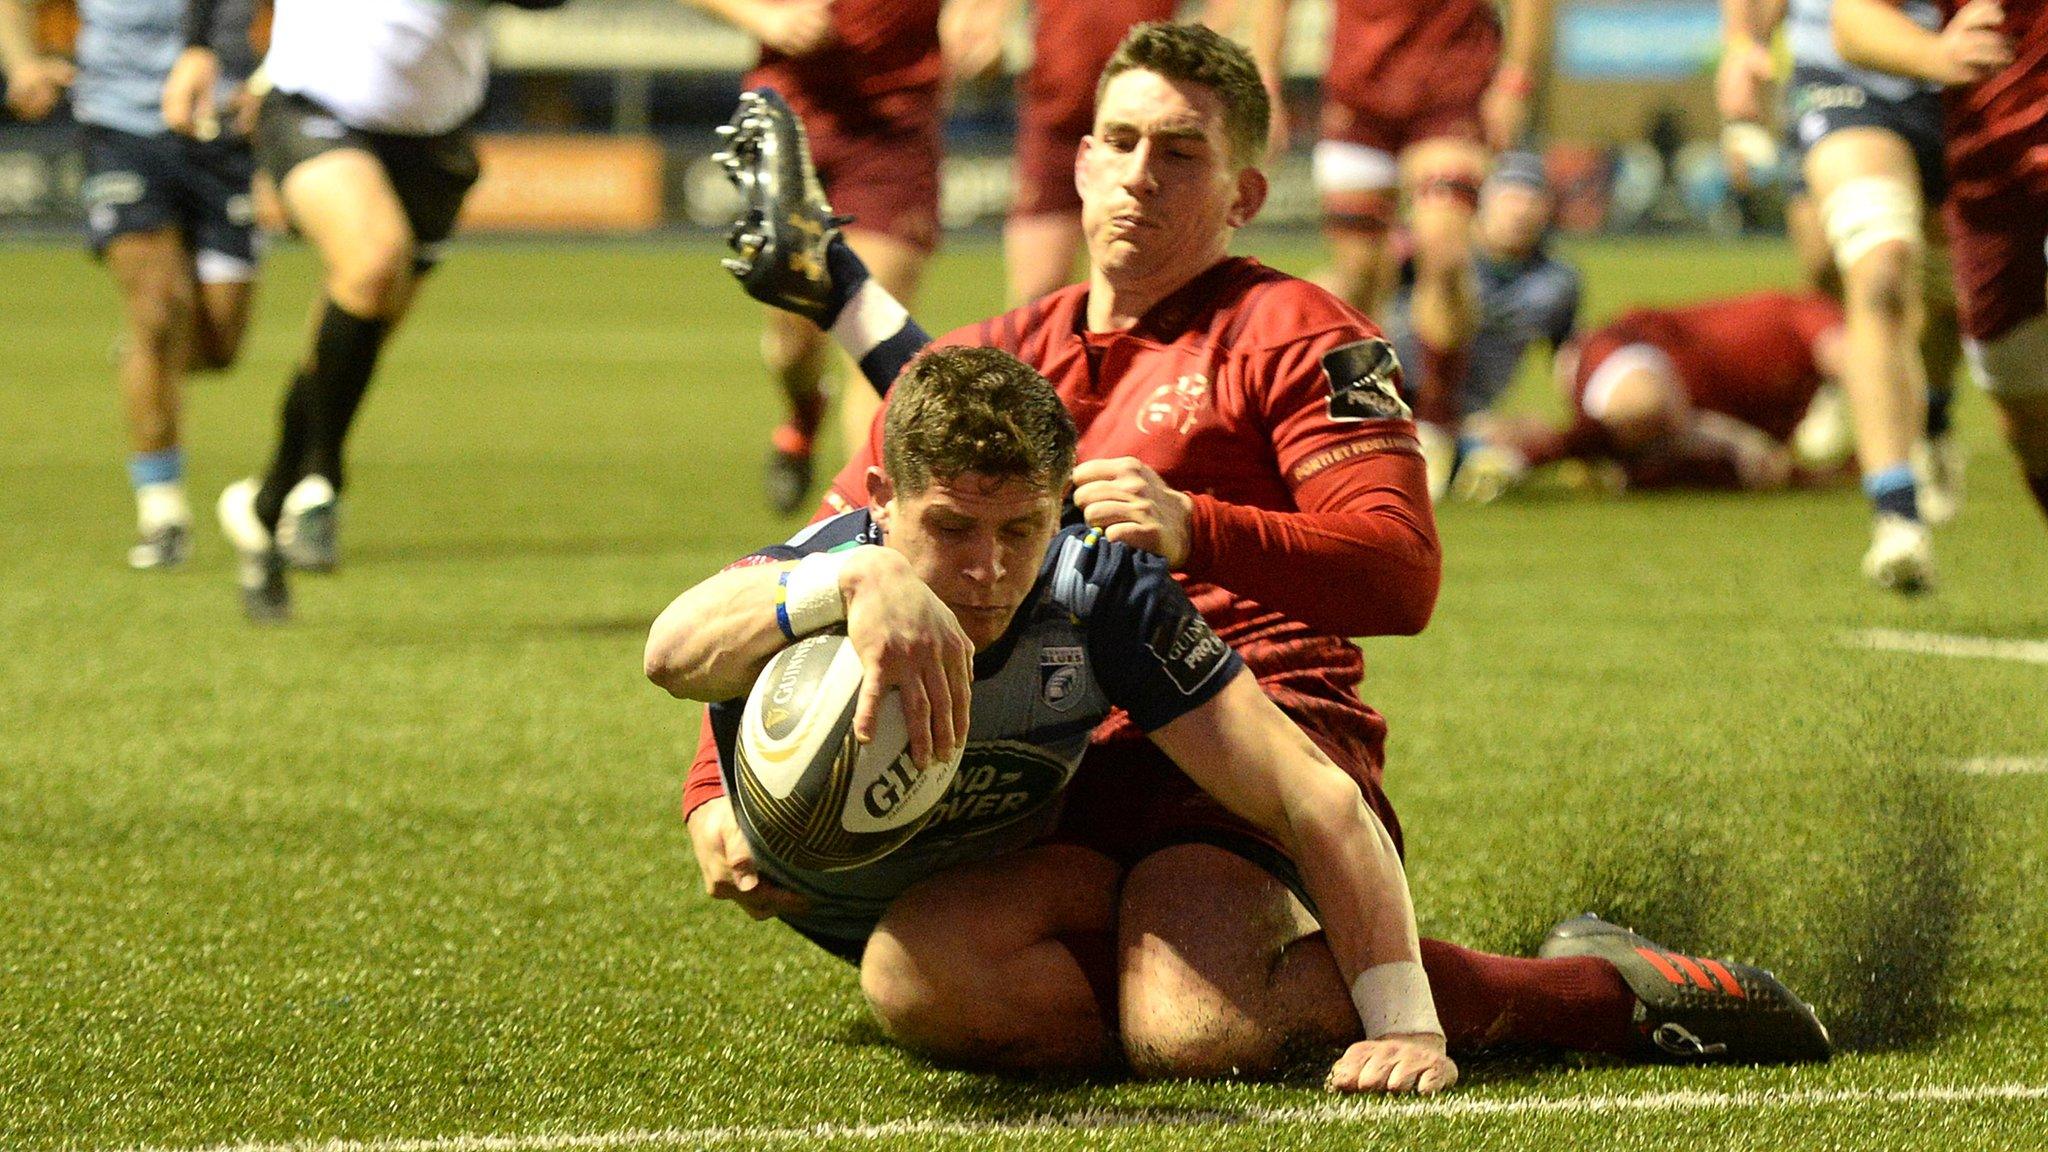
(806, 792)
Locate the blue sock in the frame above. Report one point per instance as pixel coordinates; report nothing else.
(163, 467)
(1892, 491)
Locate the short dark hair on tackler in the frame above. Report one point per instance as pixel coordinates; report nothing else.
(1198, 54)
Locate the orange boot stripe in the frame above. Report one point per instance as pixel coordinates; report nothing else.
(1726, 979)
(1662, 965)
(1693, 970)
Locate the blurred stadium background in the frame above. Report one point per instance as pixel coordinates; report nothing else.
(408, 876)
(600, 118)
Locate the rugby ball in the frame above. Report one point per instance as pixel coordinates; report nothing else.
(806, 792)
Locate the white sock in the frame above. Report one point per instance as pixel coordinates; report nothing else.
(159, 504)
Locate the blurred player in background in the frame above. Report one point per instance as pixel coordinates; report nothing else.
(169, 216)
(960, 540)
(1868, 184)
(1414, 97)
(1246, 426)
(1070, 42)
(867, 78)
(364, 132)
(1706, 396)
(1526, 295)
(1993, 62)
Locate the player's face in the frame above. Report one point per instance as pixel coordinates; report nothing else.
(977, 541)
(1159, 198)
(1513, 218)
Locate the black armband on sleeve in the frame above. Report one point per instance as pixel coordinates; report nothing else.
(533, 5)
(199, 21)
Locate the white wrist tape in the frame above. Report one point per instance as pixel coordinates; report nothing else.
(809, 597)
(1394, 999)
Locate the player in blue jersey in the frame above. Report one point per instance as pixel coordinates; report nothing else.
(1868, 179)
(958, 583)
(1526, 295)
(169, 216)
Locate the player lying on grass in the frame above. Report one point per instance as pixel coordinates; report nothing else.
(1526, 295)
(1244, 425)
(1709, 395)
(959, 568)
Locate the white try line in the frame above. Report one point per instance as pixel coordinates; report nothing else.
(1936, 644)
(1355, 1112)
(2004, 765)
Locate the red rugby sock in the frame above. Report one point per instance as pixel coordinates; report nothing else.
(806, 414)
(1487, 1001)
(1443, 378)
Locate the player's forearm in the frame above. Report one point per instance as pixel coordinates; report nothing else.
(1258, 763)
(17, 39)
(711, 641)
(1527, 47)
(1750, 23)
(1351, 868)
(1877, 34)
(1368, 537)
(1266, 37)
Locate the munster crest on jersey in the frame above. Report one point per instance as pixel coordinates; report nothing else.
(1365, 381)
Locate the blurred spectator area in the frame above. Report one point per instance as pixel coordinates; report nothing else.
(648, 79)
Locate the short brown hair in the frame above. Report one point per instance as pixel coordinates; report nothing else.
(980, 410)
(1198, 54)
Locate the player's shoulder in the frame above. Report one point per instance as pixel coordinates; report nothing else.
(1270, 308)
(1082, 565)
(846, 530)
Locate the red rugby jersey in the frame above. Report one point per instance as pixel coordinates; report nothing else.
(1312, 520)
(1997, 128)
(882, 66)
(1310, 525)
(1071, 41)
(1403, 53)
(1750, 357)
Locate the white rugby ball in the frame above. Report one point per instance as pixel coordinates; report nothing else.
(806, 792)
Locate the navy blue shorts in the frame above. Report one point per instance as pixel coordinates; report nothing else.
(431, 174)
(148, 183)
(1820, 101)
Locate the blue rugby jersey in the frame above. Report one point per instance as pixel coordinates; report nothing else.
(1520, 302)
(126, 49)
(1810, 32)
(1105, 626)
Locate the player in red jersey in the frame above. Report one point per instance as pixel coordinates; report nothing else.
(1266, 441)
(866, 77)
(1070, 42)
(1993, 60)
(1414, 97)
(1707, 395)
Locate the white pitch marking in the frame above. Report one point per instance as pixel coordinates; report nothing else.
(1357, 1111)
(2003, 765)
(1936, 644)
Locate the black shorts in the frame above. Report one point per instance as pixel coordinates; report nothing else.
(431, 174)
(1820, 101)
(147, 183)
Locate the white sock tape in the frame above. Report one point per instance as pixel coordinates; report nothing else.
(811, 600)
(871, 317)
(1394, 999)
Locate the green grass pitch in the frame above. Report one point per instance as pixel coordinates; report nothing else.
(409, 873)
